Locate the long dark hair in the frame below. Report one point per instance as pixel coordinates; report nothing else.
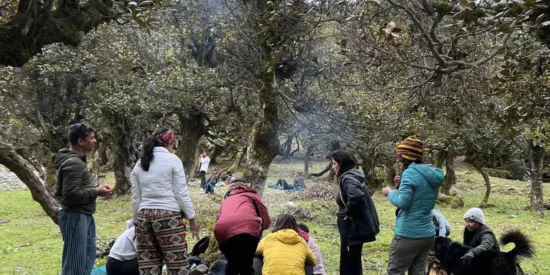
(152, 142)
(407, 162)
(285, 221)
(345, 159)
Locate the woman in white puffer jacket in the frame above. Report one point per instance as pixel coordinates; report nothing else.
(159, 200)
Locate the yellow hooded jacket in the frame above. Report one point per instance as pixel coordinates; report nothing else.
(285, 253)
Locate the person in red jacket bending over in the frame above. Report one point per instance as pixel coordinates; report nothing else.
(242, 219)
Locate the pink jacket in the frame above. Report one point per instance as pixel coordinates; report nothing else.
(319, 269)
(242, 212)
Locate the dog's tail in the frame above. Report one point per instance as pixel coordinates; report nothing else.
(523, 245)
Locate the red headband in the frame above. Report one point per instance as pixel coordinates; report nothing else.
(166, 138)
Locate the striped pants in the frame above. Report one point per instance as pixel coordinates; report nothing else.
(160, 236)
(79, 250)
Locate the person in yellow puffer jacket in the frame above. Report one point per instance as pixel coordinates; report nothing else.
(284, 251)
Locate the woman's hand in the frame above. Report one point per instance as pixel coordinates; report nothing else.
(386, 191)
(396, 179)
(194, 228)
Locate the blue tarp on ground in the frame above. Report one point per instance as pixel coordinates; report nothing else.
(103, 271)
(99, 271)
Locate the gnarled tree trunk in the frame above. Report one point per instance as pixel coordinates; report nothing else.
(49, 175)
(102, 151)
(537, 165)
(309, 150)
(368, 165)
(218, 150)
(287, 146)
(235, 163)
(390, 174)
(192, 129)
(122, 164)
(25, 172)
(439, 159)
(450, 176)
(327, 168)
(297, 148)
(95, 169)
(53, 142)
(487, 184)
(264, 143)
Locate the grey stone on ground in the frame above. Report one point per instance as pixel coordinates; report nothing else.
(9, 181)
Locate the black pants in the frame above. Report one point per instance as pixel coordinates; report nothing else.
(116, 267)
(350, 255)
(239, 251)
(259, 263)
(203, 179)
(283, 185)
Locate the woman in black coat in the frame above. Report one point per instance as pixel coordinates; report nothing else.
(356, 218)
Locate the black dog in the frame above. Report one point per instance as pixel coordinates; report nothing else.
(487, 263)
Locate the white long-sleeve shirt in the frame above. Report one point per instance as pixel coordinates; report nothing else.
(162, 187)
(204, 163)
(124, 248)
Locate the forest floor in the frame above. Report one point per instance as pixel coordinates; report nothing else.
(31, 244)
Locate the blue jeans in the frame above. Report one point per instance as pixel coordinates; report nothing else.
(79, 250)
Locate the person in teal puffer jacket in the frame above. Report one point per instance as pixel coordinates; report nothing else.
(414, 229)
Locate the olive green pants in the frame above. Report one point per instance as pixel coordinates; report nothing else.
(409, 255)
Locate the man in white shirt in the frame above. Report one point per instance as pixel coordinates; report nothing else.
(204, 162)
(123, 256)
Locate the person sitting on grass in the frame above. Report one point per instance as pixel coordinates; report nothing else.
(122, 258)
(282, 184)
(299, 182)
(477, 235)
(284, 251)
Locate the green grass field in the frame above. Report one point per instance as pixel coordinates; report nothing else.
(31, 244)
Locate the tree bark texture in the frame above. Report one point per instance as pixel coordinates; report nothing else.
(439, 159)
(26, 173)
(487, 184)
(309, 150)
(287, 146)
(537, 165)
(124, 150)
(95, 169)
(102, 150)
(390, 174)
(236, 161)
(218, 150)
(297, 148)
(264, 143)
(327, 168)
(192, 129)
(450, 176)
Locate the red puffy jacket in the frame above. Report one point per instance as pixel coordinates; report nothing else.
(241, 212)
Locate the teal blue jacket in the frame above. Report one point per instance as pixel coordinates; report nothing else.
(415, 199)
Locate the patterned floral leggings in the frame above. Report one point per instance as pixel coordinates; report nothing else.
(160, 237)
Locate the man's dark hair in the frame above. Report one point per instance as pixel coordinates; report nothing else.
(79, 131)
(303, 227)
